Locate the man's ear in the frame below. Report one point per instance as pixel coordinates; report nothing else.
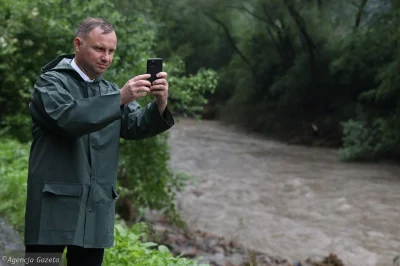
(78, 42)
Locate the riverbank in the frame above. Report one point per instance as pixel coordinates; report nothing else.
(192, 244)
(218, 251)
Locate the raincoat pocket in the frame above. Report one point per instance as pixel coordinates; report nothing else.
(60, 206)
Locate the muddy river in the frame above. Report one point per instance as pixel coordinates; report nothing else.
(291, 201)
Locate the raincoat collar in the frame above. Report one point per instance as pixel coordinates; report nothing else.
(63, 63)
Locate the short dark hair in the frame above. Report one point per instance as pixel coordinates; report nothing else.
(88, 24)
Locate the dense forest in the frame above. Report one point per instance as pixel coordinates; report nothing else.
(310, 72)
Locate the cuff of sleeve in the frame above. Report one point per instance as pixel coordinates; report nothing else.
(166, 117)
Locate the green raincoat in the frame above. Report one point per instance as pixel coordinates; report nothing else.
(74, 155)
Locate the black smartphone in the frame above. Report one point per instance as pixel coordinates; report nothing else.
(154, 66)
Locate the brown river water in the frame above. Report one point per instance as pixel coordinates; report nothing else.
(291, 201)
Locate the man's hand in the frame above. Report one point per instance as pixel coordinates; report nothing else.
(135, 88)
(159, 89)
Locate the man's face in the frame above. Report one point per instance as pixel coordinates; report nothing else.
(95, 52)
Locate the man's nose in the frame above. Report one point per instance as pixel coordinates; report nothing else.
(105, 57)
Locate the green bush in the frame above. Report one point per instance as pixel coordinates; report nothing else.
(129, 250)
(369, 141)
(13, 175)
(359, 141)
(187, 95)
(146, 180)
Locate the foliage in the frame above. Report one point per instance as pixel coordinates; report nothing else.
(130, 251)
(13, 175)
(369, 141)
(360, 141)
(145, 177)
(187, 96)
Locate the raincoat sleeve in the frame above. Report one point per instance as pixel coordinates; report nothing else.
(54, 109)
(139, 123)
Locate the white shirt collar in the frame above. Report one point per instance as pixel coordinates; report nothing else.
(77, 69)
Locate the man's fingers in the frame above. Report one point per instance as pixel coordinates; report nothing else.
(143, 89)
(158, 93)
(157, 87)
(162, 81)
(141, 77)
(162, 75)
(142, 83)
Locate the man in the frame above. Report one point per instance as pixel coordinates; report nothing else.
(78, 118)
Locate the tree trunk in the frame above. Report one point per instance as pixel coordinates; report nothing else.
(360, 13)
(232, 42)
(309, 43)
